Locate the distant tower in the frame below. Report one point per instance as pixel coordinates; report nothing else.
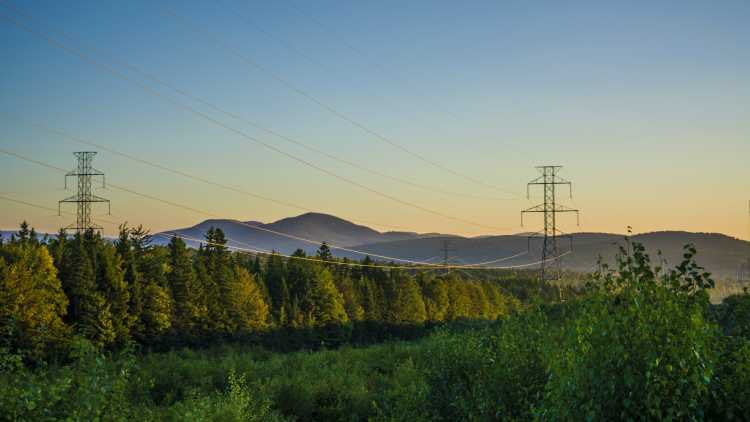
(446, 250)
(549, 180)
(83, 199)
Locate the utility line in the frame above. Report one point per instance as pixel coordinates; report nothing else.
(356, 264)
(185, 174)
(212, 215)
(123, 64)
(85, 57)
(259, 252)
(373, 63)
(243, 57)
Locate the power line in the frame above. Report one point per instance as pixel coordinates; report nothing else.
(292, 87)
(185, 174)
(356, 264)
(85, 57)
(374, 63)
(123, 64)
(258, 252)
(213, 215)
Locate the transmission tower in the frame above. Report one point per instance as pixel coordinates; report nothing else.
(549, 180)
(83, 199)
(446, 250)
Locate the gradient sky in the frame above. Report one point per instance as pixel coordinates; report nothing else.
(645, 104)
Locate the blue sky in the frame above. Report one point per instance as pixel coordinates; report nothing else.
(646, 104)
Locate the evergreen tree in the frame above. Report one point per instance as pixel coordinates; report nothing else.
(157, 310)
(328, 306)
(436, 300)
(405, 300)
(276, 283)
(111, 283)
(324, 252)
(183, 284)
(220, 271)
(88, 310)
(345, 286)
(131, 245)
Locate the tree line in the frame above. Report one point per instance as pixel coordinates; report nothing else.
(115, 293)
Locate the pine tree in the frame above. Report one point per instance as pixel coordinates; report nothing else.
(277, 283)
(324, 252)
(328, 305)
(405, 300)
(345, 286)
(183, 284)
(88, 310)
(131, 245)
(157, 310)
(111, 283)
(220, 271)
(436, 300)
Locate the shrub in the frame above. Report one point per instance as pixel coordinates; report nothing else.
(640, 348)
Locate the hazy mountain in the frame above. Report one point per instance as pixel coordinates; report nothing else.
(317, 226)
(719, 253)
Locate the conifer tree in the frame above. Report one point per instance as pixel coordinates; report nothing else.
(183, 284)
(345, 286)
(131, 245)
(276, 283)
(88, 310)
(405, 300)
(324, 252)
(220, 271)
(111, 283)
(436, 298)
(328, 306)
(157, 310)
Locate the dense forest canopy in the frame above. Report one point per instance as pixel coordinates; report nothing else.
(112, 293)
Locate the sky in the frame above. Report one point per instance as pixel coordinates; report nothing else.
(646, 105)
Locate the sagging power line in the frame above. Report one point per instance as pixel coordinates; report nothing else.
(256, 252)
(213, 215)
(358, 166)
(324, 105)
(89, 59)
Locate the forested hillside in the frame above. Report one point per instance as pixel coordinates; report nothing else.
(99, 331)
(114, 293)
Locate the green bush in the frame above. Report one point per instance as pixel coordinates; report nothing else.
(641, 347)
(91, 388)
(488, 374)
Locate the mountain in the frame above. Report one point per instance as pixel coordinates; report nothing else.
(719, 253)
(257, 235)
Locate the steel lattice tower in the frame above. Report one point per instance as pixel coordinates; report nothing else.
(83, 199)
(549, 180)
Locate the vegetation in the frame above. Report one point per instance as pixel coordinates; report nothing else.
(93, 330)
